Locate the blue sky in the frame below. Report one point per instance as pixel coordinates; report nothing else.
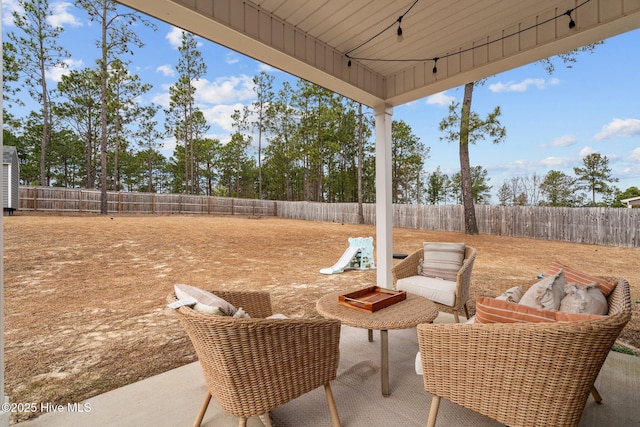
(552, 121)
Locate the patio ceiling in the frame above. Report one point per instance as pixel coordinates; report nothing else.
(473, 39)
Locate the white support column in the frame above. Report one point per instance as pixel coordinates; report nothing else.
(384, 211)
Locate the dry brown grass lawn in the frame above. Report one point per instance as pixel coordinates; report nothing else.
(85, 295)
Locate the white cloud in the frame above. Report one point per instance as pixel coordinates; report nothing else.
(555, 162)
(441, 99)
(8, 7)
(166, 70)
(168, 146)
(586, 151)
(61, 16)
(266, 68)
(220, 115)
(518, 167)
(224, 90)
(175, 37)
(619, 127)
(55, 73)
(523, 85)
(162, 99)
(231, 58)
(562, 141)
(58, 18)
(635, 156)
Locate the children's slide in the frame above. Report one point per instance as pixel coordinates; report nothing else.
(343, 262)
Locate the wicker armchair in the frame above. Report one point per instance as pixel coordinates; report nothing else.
(535, 374)
(254, 365)
(408, 267)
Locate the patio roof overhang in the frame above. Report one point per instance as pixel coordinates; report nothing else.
(352, 48)
(473, 39)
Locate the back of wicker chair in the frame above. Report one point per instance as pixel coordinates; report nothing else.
(254, 365)
(536, 374)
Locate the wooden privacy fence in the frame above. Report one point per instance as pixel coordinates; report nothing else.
(601, 226)
(50, 199)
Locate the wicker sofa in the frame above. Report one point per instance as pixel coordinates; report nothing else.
(521, 374)
(253, 365)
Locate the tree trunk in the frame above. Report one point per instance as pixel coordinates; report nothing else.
(89, 156)
(150, 170)
(45, 132)
(104, 207)
(260, 156)
(470, 223)
(116, 166)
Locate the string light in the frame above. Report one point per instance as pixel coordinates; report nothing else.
(400, 37)
(572, 23)
(398, 32)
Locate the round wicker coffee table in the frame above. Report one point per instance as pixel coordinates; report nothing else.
(402, 315)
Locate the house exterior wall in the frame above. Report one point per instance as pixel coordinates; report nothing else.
(11, 179)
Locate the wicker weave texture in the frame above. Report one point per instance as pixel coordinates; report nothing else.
(252, 366)
(409, 267)
(537, 374)
(401, 315)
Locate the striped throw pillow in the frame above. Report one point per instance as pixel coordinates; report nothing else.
(491, 310)
(442, 260)
(581, 278)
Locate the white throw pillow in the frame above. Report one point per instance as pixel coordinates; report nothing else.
(512, 294)
(206, 301)
(547, 293)
(584, 299)
(277, 316)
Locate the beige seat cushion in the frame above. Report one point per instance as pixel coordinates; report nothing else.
(437, 290)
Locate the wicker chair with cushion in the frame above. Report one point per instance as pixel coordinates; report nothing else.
(253, 365)
(449, 291)
(521, 374)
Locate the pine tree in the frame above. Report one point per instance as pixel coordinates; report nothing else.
(117, 36)
(596, 175)
(181, 116)
(37, 50)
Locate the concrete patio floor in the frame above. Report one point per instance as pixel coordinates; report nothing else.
(174, 397)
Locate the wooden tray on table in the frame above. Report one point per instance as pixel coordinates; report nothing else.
(372, 298)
